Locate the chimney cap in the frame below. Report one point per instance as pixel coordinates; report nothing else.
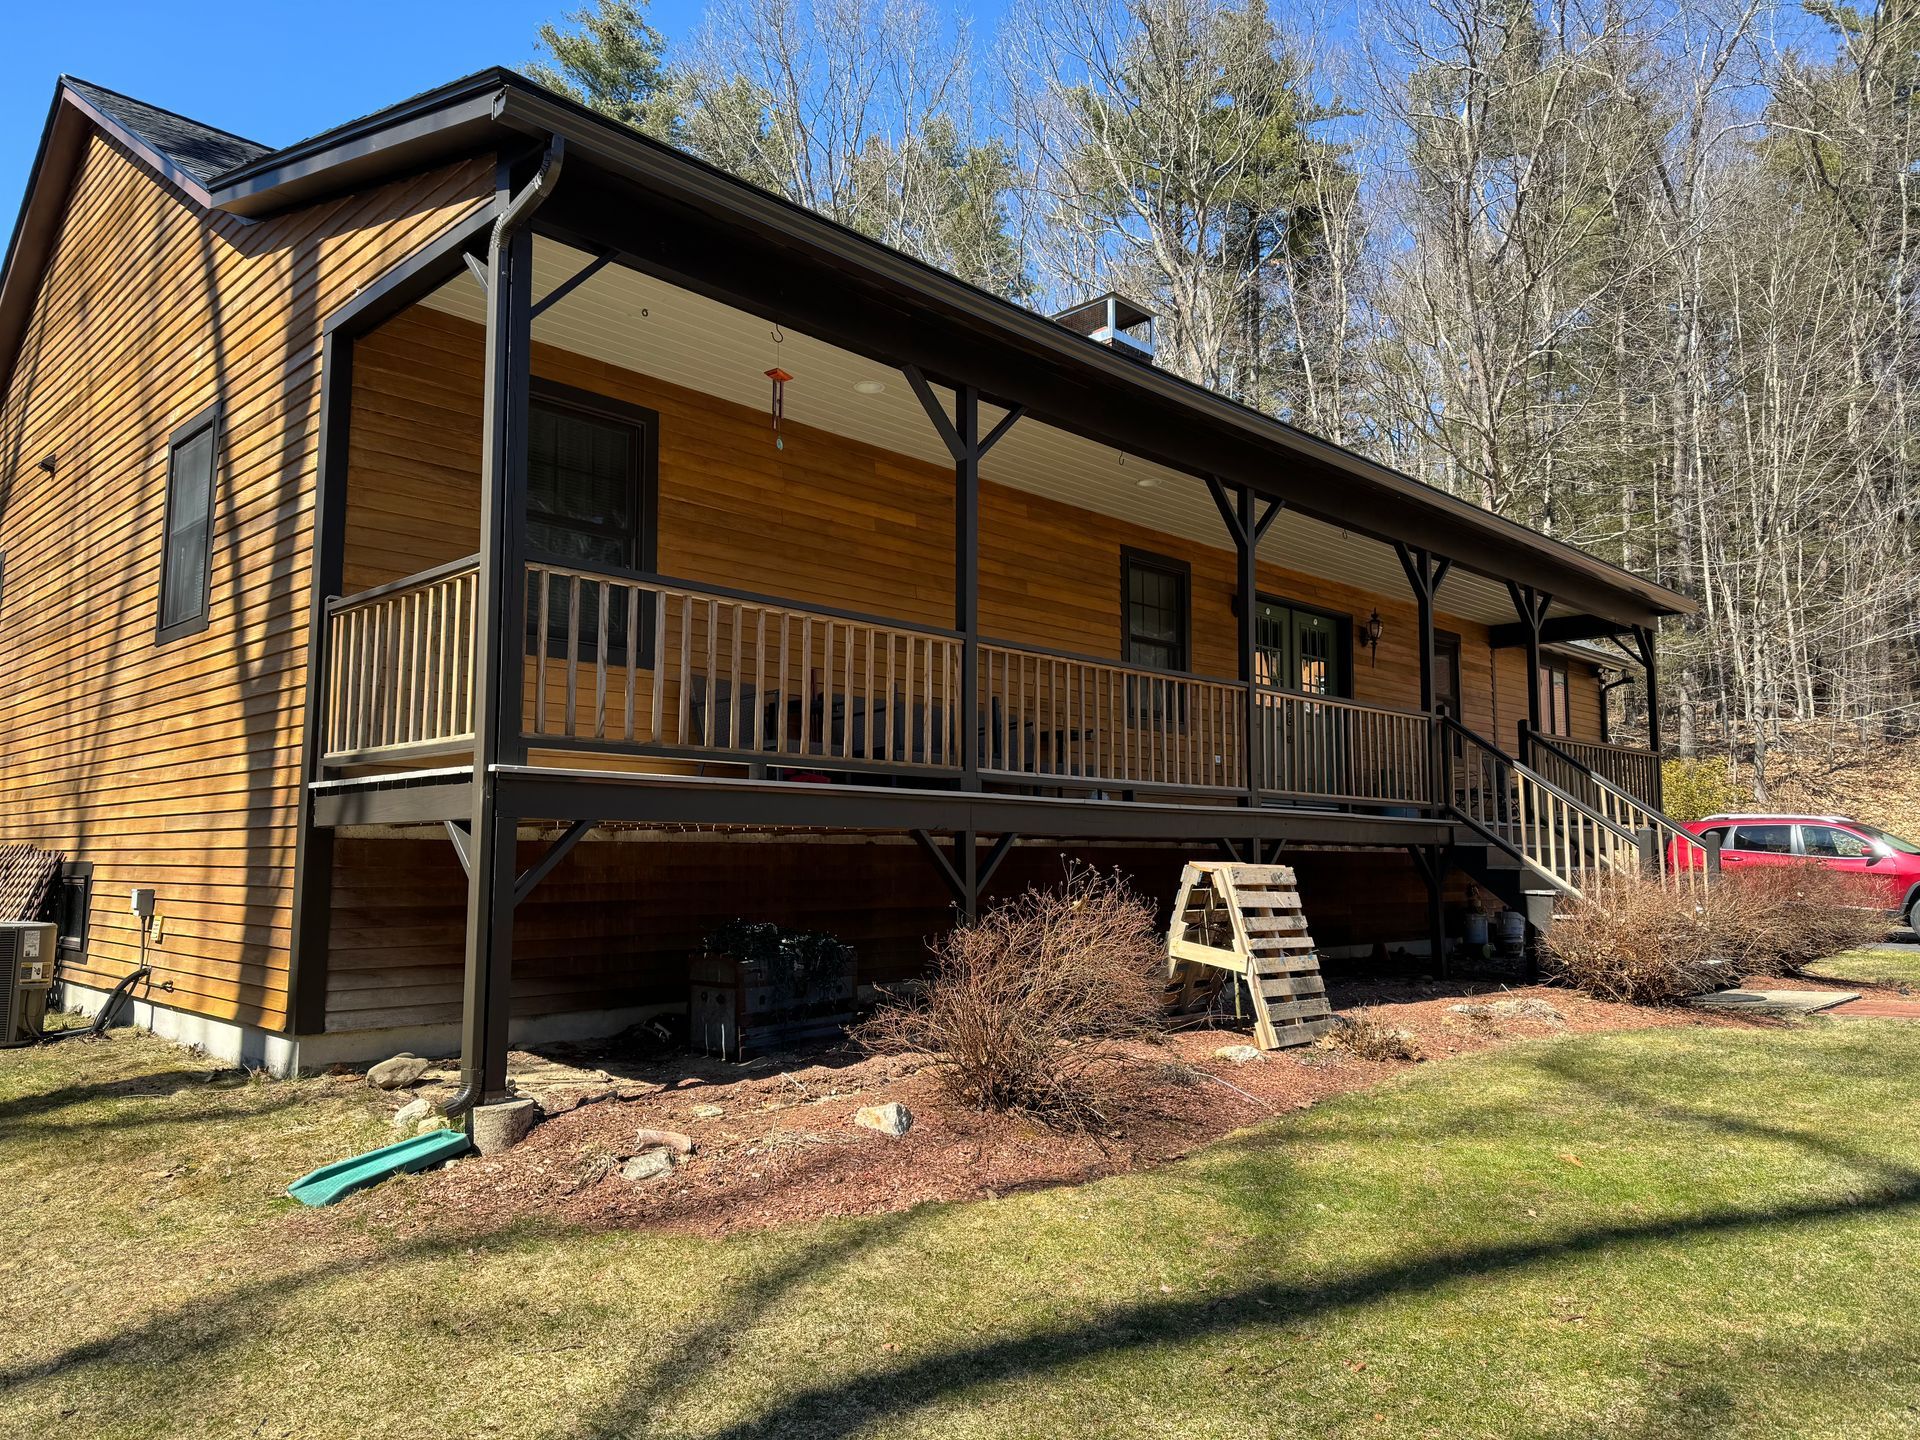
(1111, 309)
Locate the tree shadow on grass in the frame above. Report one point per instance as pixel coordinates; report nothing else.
(122, 1121)
(154, 1085)
(844, 1405)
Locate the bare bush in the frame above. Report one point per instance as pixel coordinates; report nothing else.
(1634, 941)
(1644, 943)
(1777, 920)
(1023, 1007)
(1365, 1036)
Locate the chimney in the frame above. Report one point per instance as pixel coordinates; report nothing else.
(1115, 322)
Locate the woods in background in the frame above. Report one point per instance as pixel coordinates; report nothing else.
(1643, 277)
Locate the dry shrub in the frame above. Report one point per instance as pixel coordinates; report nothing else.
(1633, 941)
(1022, 1007)
(1647, 944)
(1778, 919)
(1365, 1036)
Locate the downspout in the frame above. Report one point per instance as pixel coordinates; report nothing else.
(518, 211)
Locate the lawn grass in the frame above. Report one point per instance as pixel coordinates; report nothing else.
(1874, 967)
(1672, 1232)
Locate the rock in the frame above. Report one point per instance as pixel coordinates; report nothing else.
(1238, 1054)
(398, 1073)
(650, 1166)
(706, 1112)
(670, 1140)
(412, 1113)
(501, 1127)
(435, 1121)
(892, 1118)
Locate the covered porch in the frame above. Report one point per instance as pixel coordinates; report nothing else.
(971, 577)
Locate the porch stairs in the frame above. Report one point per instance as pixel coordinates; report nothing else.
(1547, 826)
(1245, 921)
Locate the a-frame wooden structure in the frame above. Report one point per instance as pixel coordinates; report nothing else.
(1245, 920)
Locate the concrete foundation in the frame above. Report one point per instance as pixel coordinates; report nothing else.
(284, 1055)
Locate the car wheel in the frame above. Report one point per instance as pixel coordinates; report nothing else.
(1913, 917)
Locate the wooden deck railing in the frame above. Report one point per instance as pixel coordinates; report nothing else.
(1316, 747)
(400, 667)
(1098, 723)
(647, 663)
(637, 663)
(1563, 839)
(1627, 768)
(1679, 854)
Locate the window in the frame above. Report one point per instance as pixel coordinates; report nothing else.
(1154, 591)
(1830, 843)
(186, 553)
(70, 904)
(1555, 714)
(1763, 839)
(591, 465)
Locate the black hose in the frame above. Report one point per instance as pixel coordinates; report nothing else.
(101, 1016)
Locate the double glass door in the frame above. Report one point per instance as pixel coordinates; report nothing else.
(1303, 651)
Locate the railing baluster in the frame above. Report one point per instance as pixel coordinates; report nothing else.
(603, 622)
(633, 660)
(683, 722)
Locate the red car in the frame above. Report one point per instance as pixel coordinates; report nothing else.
(1888, 866)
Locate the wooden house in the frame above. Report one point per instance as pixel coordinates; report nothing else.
(415, 571)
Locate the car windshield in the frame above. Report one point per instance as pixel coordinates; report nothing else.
(1905, 847)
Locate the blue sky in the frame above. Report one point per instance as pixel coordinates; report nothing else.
(268, 70)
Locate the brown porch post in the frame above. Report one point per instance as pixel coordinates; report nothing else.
(968, 448)
(1532, 606)
(1424, 573)
(1644, 637)
(1249, 580)
(1246, 530)
(499, 638)
(966, 586)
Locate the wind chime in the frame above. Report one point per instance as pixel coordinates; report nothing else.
(779, 378)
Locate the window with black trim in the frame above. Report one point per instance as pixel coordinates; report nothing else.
(1155, 592)
(71, 899)
(591, 468)
(186, 551)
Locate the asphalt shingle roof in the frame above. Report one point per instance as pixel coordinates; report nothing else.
(199, 150)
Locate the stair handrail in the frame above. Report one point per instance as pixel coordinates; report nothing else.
(1667, 831)
(1534, 777)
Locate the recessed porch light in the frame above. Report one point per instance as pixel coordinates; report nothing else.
(1148, 482)
(870, 387)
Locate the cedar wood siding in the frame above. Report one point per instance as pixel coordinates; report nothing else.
(175, 766)
(832, 521)
(614, 924)
(827, 521)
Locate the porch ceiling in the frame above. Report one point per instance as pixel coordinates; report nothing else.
(643, 324)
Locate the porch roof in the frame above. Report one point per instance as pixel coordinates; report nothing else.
(673, 216)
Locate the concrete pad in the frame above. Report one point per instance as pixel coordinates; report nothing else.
(1774, 1002)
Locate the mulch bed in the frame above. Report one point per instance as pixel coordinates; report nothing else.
(782, 1146)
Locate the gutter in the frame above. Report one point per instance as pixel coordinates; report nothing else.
(514, 217)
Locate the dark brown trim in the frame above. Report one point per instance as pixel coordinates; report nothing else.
(164, 632)
(644, 552)
(1166, 565)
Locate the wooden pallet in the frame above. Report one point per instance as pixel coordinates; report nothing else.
(1245, 920)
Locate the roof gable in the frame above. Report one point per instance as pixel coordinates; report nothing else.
(180, 147)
